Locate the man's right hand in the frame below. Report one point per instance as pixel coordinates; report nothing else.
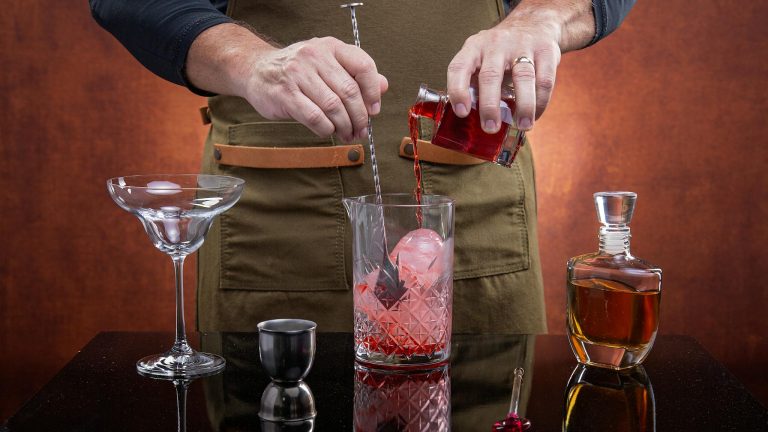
(325, 84)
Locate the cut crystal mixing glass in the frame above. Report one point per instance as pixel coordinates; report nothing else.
(403, 281)
(176, 211)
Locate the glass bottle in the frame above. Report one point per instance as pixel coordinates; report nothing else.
(466, 135)
(613, 297)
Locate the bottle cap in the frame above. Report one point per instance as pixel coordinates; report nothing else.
(615, 208)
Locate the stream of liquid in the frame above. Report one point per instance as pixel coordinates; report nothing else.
(413, 126)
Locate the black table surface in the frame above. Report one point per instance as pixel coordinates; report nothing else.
(99, 390)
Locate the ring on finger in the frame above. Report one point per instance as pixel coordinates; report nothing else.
(522, 59)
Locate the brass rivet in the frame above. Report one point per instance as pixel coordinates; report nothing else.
(353, 155)
(408, 149)
(217, 154)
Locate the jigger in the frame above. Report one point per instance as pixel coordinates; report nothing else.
(287, 348)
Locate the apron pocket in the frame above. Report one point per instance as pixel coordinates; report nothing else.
(490, 221)
(287, 231)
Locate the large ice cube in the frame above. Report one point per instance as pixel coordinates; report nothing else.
(422, 258)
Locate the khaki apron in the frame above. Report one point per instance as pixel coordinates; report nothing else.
(284, 250)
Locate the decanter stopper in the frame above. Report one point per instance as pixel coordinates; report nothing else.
(615, 208)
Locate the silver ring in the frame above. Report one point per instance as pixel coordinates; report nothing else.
(522, 59)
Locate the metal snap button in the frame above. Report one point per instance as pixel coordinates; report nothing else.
(217, 154)
(353, 155)
(408, 149)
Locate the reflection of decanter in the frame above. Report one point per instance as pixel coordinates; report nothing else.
(599, 399)
(613, 297)
(402, 401)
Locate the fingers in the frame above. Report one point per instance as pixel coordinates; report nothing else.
(524, 81)
(546, 63)
(327, 93)
(306, 112)
(460, 72)
(489, 82)
(362, 68)
(328, 86)
(487, 60)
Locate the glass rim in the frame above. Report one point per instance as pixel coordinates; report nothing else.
(369, 200)
(236, 181)
(299, 326)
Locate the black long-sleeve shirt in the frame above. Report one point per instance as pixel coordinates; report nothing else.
(159, 32)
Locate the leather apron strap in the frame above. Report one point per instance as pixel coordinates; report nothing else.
(292, 157)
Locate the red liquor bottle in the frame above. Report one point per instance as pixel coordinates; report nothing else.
(466, 135)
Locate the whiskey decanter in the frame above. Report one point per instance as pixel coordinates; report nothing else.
(613, 297)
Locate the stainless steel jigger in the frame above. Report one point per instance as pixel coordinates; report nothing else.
(287, 348)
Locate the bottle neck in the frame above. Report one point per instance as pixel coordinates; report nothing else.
(430, 103)
(614, 239)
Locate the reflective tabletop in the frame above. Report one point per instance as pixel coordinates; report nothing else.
(680, 388)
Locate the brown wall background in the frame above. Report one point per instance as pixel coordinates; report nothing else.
(673, 106)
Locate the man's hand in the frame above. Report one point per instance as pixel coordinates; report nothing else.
(325, 84)
(538, 30)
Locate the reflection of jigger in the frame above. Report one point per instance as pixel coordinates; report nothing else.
(402, 401)
(287, 408)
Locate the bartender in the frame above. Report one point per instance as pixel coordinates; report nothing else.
(284, 75)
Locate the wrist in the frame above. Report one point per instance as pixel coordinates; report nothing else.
(221, 59)
(571, 24)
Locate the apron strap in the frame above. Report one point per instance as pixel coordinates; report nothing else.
(429, 152)
(293, 157)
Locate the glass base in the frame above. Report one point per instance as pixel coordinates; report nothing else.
(177, 365)
(377, 360)
(608, 356)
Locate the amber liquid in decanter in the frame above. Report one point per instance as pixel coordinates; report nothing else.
(613, 296)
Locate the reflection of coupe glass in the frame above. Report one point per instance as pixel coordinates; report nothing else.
(177, 211)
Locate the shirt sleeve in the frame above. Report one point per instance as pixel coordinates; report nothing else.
(609, 14)
(159, 32)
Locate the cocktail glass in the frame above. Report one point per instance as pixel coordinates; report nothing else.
(176, 211)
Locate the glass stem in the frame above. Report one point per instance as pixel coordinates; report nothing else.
(181, 404)
(180, 345)
(517, 382)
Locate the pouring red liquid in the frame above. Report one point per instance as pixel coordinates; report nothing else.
(465, 135)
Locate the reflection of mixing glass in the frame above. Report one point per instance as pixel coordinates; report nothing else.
(513, 422)
(389, 288)
(388, 400)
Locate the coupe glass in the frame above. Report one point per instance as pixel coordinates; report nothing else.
(176, 211)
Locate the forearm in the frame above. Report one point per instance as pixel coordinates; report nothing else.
(221, 57)
(158, 33)
(571, 22)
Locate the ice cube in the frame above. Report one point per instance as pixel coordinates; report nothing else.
(162, 187)
(423, 258)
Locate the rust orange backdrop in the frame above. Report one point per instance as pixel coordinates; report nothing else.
(673, 106)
